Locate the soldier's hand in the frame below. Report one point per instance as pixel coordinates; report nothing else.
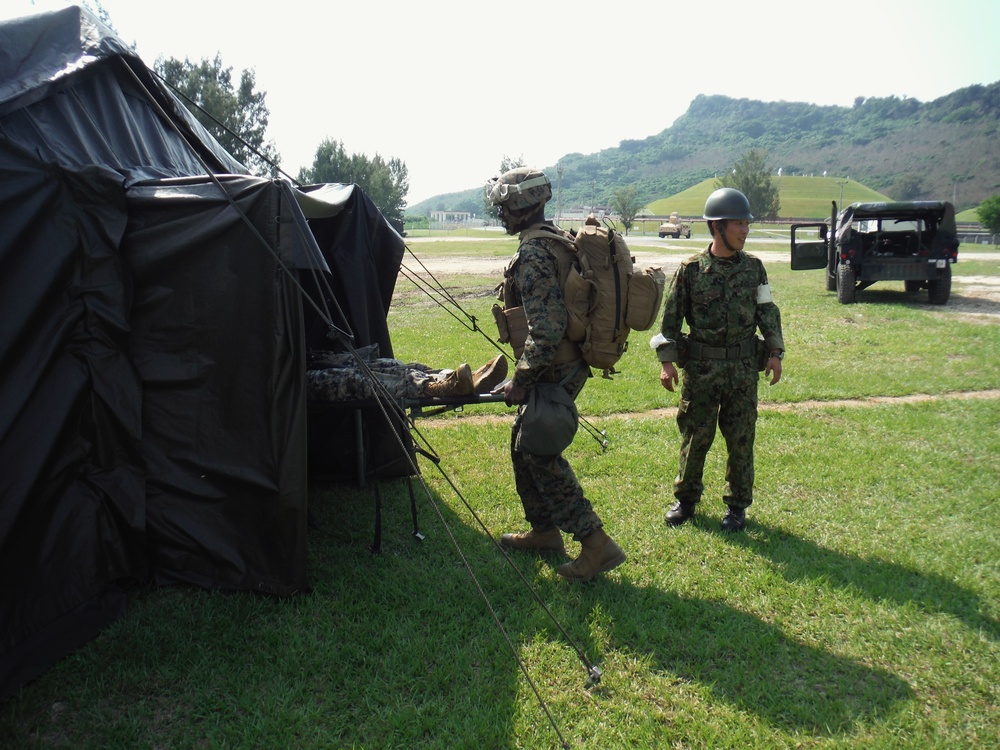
(514, 394)
(773, 370)
(668, 376)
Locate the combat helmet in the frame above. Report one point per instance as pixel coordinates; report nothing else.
(519, 189)
(727, 203)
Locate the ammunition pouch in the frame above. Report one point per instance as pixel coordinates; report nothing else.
(512, 327)
(763, 353)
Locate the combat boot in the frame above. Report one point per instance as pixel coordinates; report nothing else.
(734, 520)
(456, 383)
(599, 554)
(490, 375)
(542, 541)
(679, 513)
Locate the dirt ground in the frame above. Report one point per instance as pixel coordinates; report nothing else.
(975, 297)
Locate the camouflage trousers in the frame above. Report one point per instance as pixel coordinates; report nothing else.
(549, 490)
(340, 377)
(723, 394)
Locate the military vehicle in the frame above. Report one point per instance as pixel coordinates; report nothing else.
(914, 242)
(674, 227)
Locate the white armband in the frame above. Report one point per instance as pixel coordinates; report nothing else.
(764, 294)
(657, 341)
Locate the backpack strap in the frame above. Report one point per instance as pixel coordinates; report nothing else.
(548, 232)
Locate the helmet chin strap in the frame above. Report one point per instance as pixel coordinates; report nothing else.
(729, 247)
(515, 222)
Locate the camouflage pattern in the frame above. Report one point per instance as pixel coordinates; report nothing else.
(334, 378)
(717, 298)
(548, 487)
(504, 189)
(723, 301)
(531, 281)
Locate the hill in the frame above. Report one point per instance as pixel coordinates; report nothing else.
(898, 147)
(801, 197)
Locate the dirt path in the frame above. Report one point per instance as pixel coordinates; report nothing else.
(974, 296)
(671, 411)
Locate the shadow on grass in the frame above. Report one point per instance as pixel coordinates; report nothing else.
(745, 662)
(741, 660)
(803, 559)
(918, 300)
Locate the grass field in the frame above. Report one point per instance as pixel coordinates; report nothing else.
(860, 609)
(801, 197)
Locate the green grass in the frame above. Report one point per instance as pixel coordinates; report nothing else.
(801, 197)
(860, 609)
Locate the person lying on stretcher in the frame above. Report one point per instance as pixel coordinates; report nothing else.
(344, 376)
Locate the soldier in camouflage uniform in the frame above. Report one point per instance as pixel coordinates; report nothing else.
(345, 376)
(723, 295)
(552, 498)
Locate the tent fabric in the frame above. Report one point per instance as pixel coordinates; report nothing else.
(153, 333)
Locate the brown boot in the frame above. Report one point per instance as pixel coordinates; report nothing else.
(542, 541)
(599, 554)
(490, 375)
(455, 383)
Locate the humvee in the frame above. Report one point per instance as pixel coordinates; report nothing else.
(674, 227)
(914, 242)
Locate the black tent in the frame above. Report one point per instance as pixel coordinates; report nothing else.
(153, 329)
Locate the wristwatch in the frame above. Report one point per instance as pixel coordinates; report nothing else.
(780, 354)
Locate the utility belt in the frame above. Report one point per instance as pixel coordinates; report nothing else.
(752, 346)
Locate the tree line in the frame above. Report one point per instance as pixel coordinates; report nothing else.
(236, 114)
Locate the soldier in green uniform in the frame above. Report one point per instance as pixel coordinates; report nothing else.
(552, 498)
(723, 295)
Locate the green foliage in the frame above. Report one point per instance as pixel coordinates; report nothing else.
(907, 187)
(625, 202)
(816, 628)
(989, 213)
(235, 114)
(386, 183)
(752, 177)
(872, 143)
(801, 197)
(415, 221)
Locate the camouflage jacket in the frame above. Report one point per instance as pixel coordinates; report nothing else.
(532, 281)
(723, 301)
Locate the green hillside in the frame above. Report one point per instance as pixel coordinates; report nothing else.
(899, 147)
(801, 197)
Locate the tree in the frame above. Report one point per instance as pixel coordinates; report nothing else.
(907, 187)
(989, 214)
(625, 202)
(386, 183)
(752, 177)
(237, 117)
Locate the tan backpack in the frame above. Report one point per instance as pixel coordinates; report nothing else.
(605, 299)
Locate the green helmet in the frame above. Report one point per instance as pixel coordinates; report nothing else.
(519, 189)
(727, 203)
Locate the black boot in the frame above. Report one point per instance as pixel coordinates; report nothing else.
(679, 513)
(735, 519)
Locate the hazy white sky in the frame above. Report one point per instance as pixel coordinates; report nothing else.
(452, 86)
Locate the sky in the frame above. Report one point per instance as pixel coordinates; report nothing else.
(451, 87)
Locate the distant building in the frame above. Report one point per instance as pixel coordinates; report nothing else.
(451, 217)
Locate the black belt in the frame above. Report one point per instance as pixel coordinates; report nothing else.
(745, 348)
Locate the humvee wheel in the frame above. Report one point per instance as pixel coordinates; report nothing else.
(939, 289)
(845, 284)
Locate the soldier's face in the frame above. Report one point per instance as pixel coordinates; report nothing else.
(736, 233)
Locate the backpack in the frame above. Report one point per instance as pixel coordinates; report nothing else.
(604, 297)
